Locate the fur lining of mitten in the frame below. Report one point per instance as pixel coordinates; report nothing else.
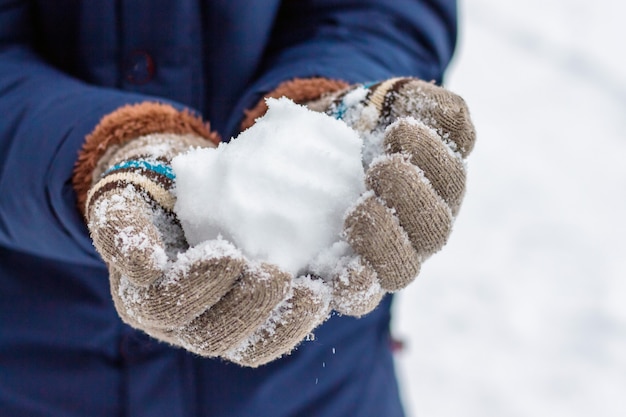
(127, 123)
(300, 90)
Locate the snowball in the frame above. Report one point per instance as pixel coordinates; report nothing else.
(279, 191)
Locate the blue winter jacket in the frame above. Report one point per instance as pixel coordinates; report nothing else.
(66, 63)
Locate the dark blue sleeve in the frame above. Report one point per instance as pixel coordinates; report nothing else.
(356, 41)
(45, 116)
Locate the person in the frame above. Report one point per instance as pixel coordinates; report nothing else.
(104, 309)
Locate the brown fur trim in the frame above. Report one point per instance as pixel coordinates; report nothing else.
(300, 90)
(130, 122)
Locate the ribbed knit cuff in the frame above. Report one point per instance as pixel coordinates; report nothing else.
(127, 123)
(300, 90)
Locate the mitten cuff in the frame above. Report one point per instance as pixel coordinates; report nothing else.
(300, 90)
(127, 123)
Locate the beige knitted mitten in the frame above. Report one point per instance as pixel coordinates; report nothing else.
(416, 137)
(209, 299)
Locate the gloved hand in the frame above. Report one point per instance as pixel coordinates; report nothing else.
(416, 137)
(209, 299)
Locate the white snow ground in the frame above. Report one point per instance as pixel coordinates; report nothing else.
(524, 311)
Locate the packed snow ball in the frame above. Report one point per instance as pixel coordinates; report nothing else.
(279, 191)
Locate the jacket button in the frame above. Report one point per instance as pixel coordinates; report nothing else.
(139, 67)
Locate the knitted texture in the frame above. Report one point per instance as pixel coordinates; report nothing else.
(416, 137)
(127, 123)
(209, 299)
(213, 301)
(356, 288)
(290, 320)
(300, 90)
(239, 313)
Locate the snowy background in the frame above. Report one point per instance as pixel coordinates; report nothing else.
(524, 312)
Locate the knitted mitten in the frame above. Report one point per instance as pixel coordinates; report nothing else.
(209, 299)
(416, 136)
